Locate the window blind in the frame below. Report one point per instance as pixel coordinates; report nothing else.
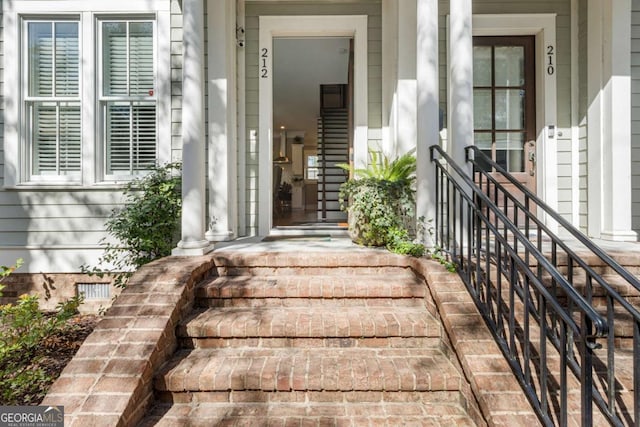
(129, 76)
(52, 103)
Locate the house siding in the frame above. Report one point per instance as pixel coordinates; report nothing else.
(58, 229)
(583, 168)
(176, 80)
(373, 10)
(635, 115)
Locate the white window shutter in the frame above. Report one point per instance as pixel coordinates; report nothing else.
(129, 74)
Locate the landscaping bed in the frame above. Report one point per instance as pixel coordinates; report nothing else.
(30, 364)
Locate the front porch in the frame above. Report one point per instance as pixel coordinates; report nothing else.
(413, 86)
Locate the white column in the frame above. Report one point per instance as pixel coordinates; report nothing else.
(242, 131)
(609, 118)
(460, 118)
(222, 120)
(389, 73)
(193, 140)
(427, 113)
(406, 119)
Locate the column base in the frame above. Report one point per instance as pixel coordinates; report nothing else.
(619, 236)
(200, 247)
(219, 236)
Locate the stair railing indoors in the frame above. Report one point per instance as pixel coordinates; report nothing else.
(537, 295)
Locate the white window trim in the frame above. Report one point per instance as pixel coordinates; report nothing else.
(88, 11)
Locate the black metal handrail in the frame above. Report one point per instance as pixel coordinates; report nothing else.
(597, 286)
(527, 316)
(528, 195)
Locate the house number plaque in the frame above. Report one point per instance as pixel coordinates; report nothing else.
(264, 55)
(550, 60)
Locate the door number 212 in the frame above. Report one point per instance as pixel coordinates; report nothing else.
(264, 71)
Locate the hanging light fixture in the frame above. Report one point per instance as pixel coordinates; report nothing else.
(282, 155)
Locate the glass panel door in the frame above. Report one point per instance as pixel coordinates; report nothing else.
(504, 100)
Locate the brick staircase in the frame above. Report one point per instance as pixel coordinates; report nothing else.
(309, 345)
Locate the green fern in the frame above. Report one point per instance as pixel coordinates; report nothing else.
(401, 169)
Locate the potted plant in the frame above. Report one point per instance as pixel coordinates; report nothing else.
(380, 200)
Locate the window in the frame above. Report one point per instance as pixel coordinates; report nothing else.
(128, 97)
(87, 100)
(52, 101)
(503, 99)
(312, 167)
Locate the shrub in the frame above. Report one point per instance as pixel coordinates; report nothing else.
(381, 204)
(5, 271)
(23, 328)
(148, 226)
(376, 207)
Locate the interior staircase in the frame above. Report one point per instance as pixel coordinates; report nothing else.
(333, 149)
(312, 346)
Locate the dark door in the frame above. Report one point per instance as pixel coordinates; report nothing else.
(504, 103)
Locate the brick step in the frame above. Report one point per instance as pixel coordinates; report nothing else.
(309, 414)
(257, 342)
(619, 284)
(304, 322)
(318, 369)
(309, 302)
(400, 285)
(349, 264)
(630, 261)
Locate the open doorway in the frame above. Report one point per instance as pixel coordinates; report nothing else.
(312, 129)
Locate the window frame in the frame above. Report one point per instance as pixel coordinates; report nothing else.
(17, 171)
(103, 100)
(26, 124)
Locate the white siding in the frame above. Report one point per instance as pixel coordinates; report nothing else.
(635, 115)
(176, 80)
(582, 113)
(58, 229)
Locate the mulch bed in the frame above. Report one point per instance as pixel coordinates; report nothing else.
(52, 355)
(58, 350)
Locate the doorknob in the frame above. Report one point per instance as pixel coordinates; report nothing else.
(532, 159)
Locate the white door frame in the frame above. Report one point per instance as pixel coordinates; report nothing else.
(543, 27)
(354, 26)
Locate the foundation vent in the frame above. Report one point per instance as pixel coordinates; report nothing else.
(94, 291)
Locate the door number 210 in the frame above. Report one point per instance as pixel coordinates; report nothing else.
(550, 57)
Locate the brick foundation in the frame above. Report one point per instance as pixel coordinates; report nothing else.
(53, 288)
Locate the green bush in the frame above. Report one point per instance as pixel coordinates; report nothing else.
(399, 242)
(5, 271)
(381, 204)
(376, 207)
(23, 328)
(148, 226)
